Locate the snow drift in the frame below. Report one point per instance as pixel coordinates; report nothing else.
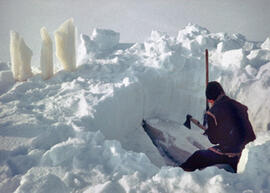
(80, 131)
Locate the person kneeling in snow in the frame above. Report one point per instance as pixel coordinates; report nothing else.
(228, 126)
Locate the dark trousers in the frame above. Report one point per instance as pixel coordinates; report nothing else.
(204, 158)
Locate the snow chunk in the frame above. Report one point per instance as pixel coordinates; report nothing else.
(233, 59)
(252, 91)
(259, 57)
(264, 75)
(105, 39)
(158, 44)
(250, 70)
(161, 51)
(41, 181)
(191, 31)
(61, 153)
(266, 44)
(230, 42)
(21, 56)
(6, 81)
(100, 44)
(206, 41)
(91, 149)
(65, 45)
(258, 156)
(46, 56)
(158, 36)
(107, 187)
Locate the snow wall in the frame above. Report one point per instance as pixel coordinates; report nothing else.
(80, 131)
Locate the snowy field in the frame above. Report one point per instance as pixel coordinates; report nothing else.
(80, 131)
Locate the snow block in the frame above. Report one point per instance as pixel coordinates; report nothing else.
(264, 76)
(87, 49)
(258, 164)
(21, 56)
(157, 45)
(259, 57)
(191, 31)
(158, 36)
(41, 180)
(206, 41)
(14, 54)
(250, 70)
(101, 43)
(230, 42)
(65, 45)
(46, 55)
(266, 44)
(85, 45)
(234, 59)
(227, 45)
(105, 39)
(6, 81)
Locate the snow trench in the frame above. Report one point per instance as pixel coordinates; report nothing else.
(81, 132)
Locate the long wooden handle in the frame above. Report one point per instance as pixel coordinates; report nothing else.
(206, 65)
(206, 74)
(196, 122)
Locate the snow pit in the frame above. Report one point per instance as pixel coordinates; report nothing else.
(80, 131)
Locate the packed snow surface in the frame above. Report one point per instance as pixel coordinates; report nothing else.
(80, 131)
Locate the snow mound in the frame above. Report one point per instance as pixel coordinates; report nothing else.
(80, 131)
(93, 157)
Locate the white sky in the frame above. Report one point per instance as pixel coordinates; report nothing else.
(134, 19)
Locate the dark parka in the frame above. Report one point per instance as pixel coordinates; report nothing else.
(228, 125)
